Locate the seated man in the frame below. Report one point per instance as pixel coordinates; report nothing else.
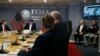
(43, 42)
(95, 37)
(30, 26)
(3, 26)
(92, 32)
(81, 30)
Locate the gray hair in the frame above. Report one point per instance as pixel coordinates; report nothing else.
(56, 15)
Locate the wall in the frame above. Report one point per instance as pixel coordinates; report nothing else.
(74, 16)
(9, 12)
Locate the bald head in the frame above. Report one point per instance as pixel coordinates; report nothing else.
(81, 22)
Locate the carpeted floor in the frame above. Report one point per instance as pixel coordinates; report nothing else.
(78, 50)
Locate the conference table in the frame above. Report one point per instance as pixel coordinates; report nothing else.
(7, 38)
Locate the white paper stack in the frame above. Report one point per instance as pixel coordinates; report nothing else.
(26, 31)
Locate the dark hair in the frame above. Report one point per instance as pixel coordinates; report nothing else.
(3, 21)
(31, 20)
(48, 21)
(94, 21)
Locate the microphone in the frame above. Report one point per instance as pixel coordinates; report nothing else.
(23, 38)
(28, 35)
(2, 51)
(15, 43)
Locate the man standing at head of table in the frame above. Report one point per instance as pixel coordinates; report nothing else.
(3, 26)
(30, 26)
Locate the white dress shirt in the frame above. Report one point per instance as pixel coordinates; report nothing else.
(81, 27)
(30, 27)
(3, 27)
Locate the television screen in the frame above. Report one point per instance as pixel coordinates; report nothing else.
(92, 11)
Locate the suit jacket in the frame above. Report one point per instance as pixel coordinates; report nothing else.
(83, 29)
(33, 26)
(41, 46)
(60, 45)
(6, 28)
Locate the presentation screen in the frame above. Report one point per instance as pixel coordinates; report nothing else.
(92, 11)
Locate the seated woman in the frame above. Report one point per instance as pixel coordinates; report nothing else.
(3, 26)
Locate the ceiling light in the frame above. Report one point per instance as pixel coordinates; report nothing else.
(84, 0)
(10, 0)
(45, 1)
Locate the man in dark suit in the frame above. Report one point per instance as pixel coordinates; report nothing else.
(30, 26)
(3, 26)
(43, 43)
(81, 30)
(60, 47)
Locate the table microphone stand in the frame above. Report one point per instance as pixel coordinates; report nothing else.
(15, 42)
(23, 38)
(2, 51)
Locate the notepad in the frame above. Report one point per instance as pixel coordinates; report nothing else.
(3, 55)
(26, 31)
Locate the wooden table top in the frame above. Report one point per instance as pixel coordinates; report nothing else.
(12, 37)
